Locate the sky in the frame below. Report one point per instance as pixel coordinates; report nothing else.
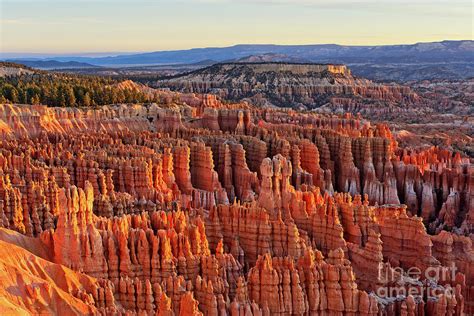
(80, 26)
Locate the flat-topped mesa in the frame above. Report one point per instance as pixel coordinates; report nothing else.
(292, 68)
(286, 84)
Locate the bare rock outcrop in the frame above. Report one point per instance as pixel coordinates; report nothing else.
(195, 206)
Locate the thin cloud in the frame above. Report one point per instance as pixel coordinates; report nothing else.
(13, 22)
(59, 21)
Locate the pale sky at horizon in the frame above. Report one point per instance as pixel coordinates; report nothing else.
(72, 26)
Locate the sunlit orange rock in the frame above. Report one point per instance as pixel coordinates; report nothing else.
(195, 205)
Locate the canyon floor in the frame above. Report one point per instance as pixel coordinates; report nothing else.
(195, 206)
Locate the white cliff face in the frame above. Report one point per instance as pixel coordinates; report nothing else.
(13, 71)
(285, 84)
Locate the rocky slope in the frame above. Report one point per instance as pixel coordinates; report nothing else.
(12, 69)
(195, 207)
(33, 285)
(285, 84)
(429, 112)
(445, 116)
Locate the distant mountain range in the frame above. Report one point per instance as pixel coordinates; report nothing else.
(331, 53)
(446, 59)
(53, 64)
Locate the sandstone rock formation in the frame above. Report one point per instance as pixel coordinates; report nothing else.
(285, 84)
(200, 207)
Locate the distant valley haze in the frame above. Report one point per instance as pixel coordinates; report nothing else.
(384, 39)
(447, 59)
(315, 52)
